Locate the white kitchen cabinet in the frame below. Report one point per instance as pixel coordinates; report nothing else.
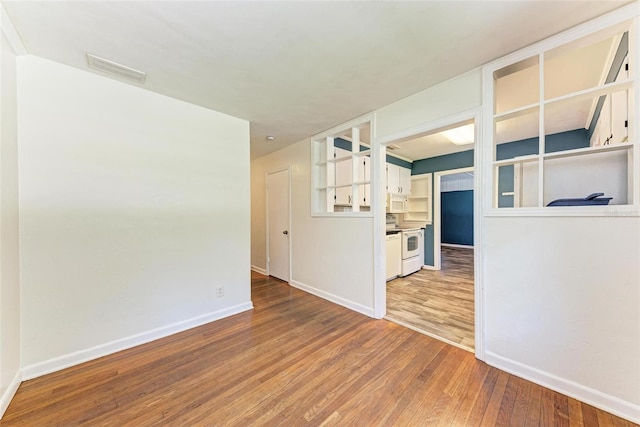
(364, 180)
(394, 255)
(398, 179)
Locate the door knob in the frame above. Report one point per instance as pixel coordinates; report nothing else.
(285, 232)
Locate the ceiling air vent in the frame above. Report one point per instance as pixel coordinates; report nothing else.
(114, 68)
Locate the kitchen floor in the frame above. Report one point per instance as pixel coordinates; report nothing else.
(437, 303)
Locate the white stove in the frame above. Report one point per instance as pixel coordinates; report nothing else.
(412, 250)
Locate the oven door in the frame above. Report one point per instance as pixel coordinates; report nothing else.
(410, 244)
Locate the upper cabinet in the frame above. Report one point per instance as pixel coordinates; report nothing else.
(398, 179)
(562, 119)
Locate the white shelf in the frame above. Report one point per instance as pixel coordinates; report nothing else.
(516, 112)
(339, 159)
(590, 93)
(594, 92)
(362, 153)
(589, 150)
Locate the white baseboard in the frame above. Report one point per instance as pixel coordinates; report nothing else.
(259, 270)
(8, 394)
(453, 245)
(367, 311)
(428, 267)
(606, 402)
(72, 359)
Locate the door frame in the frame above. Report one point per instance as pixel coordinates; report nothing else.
(379, 147)
(266, 185)
(437, 220)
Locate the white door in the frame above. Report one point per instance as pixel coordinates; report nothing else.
(278, 224)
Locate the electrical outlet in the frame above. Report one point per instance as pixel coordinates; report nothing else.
(219, 291)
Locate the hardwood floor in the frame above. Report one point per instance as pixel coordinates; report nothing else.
(438, 303)
(294, 360)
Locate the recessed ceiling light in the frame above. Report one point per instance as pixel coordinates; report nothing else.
(460, 136)
(271, 138)
(111, 67)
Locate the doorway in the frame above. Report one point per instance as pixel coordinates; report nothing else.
(453, 219)
(440, 300)
(278, 224)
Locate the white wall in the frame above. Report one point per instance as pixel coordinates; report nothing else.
(331, 257)
(561, 304)
(459, 94)
(9, 249)
(134, 207)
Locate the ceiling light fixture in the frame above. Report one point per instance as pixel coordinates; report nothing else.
(114, 68)
(461, 136)
(270, 138)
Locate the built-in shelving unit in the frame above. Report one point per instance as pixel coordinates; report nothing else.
(341, 179)
(420, 199)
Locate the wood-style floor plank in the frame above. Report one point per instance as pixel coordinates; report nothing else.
(294, 360)
(439, 303)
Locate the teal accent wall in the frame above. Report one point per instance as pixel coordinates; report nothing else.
(456, 209)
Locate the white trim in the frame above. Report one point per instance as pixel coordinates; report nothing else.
(378, 195)
(591, 396)
(437, 221)
(431, 127)
(428, 267)
(566, 211)
(479, 186)
(10, 391)
(361, 214)
(475, 115)
(78, 357)
(453, 245)
(290, 235)
(259, 270)
(351, 305)
(10, 33)
(429, 334)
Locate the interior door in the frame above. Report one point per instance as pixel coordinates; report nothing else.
(278, 224)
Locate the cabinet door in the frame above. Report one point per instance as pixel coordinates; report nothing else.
(364, 176)
(404, 180)
(343, 177)
(393, 178)
(619, 108)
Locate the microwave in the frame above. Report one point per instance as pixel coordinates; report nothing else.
(396, 203)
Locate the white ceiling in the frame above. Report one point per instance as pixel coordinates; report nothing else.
(292, 68)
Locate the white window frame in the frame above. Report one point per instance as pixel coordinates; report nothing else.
(619, 16)
(316, 163)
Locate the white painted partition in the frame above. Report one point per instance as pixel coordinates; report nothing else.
(561, 305)
(332, 257)
(134, 207)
